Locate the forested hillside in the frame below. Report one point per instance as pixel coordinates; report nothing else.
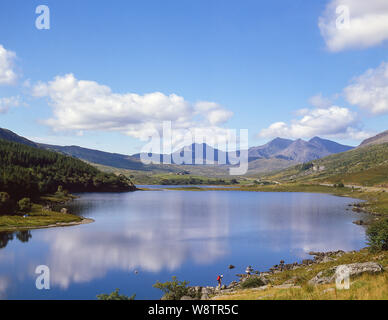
(13, 137)
(30, 172)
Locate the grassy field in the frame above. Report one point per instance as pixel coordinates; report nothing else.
(370, 177)
(364, 287)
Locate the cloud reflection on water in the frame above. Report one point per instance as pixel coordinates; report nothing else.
(82, 254)
(170, 232)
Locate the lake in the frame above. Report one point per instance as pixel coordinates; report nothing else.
(141, 237)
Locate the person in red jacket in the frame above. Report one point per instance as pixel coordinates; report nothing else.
(219, 280)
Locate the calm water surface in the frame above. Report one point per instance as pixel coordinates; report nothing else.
(193, 235)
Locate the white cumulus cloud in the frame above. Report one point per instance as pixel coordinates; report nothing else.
(370, 90)
(7, 72)
(80, 105)
(368, 24)
(329, 122)
(214, 112)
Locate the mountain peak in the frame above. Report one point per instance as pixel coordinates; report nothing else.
(279, 139)
(316, 138)
(298, 150)
(299, 141)
(329, 146)
(280, 142)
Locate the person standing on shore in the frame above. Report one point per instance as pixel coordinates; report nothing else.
(219, 280)
(248, 270)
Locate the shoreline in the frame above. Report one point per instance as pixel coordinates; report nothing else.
(54, 225)
(43, 209)
(43, 216)
(369, 198)
(308, 280)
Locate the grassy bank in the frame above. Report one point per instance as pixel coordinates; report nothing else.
(40, 217)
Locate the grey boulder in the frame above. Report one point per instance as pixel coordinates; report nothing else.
(354, 269)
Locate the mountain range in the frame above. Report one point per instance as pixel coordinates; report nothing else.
(366, 165)
(276, 154)
(291, 150)
(298, 150)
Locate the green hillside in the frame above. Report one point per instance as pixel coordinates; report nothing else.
(367, 166)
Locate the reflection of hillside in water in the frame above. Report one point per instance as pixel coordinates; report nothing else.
(6, 237)
(76, 207)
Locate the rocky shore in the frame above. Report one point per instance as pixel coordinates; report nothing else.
(262, 281)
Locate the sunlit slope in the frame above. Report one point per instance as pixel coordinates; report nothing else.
(366, 166)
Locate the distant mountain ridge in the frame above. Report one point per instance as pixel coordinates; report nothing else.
(274, 155)
(366, 165)
(206, 155)
(269, 150)
(279, 148)
(298, 150)
(99, 157)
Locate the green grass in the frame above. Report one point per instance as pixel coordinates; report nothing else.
(58, 198)
(36, 218)
(186, 189)
(367, 166)
(369, 177)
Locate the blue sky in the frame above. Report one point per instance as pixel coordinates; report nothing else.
(261, 61)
